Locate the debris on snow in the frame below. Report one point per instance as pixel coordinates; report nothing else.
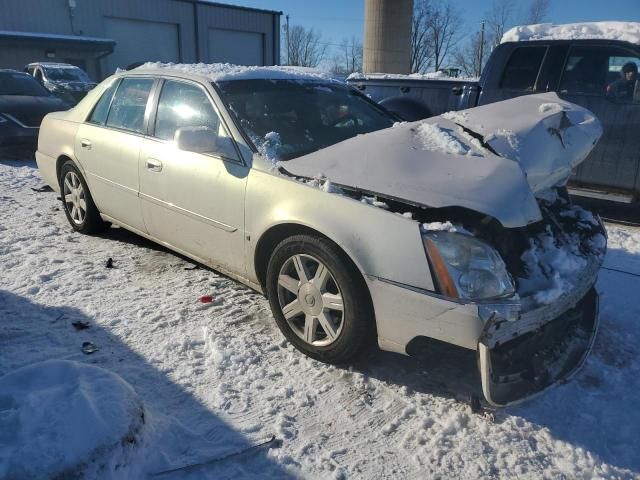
(80, 325)
(88, 348)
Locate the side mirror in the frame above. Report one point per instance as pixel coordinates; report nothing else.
(196, 139)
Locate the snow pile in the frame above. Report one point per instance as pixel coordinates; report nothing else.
(506, 142)
(435, 138)
(549, 108)
(374, 202)
(58, 417)
(444, 227)
(222, 72)
(439, 75)
(270, 146)
(624, 31)
(554, 260)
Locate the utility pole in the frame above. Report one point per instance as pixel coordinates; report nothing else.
(288, 49)
(479, 68)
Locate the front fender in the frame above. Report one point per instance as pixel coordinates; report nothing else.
(380, 243)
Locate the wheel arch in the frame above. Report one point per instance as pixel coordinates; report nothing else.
(271, 237)
(61, 160)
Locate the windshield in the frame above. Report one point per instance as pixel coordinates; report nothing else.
(289, 118)
(66, 74)
(14, 83)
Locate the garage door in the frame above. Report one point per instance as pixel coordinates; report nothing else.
(141, 41)
(236, 46)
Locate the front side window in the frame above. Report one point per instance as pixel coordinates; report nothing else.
(129, 104)
(604, 71)
(186, 105)
(522, 68)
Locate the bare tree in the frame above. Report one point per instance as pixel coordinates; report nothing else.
(348, 58)
(499, 18)
(421, 48)
(471, 57)
(444, 31)
(306, 48)
(538, 10)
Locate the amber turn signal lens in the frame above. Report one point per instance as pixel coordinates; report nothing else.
(442, 273)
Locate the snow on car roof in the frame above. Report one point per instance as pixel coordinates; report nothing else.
(439, 75)
(624, 31)
(220, 72)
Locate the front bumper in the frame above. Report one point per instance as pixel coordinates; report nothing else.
(520, 353)
(527, 365)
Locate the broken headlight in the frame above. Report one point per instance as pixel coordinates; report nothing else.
(465, 267)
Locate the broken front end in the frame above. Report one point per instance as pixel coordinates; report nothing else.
(543, 334)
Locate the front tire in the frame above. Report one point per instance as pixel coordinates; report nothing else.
(78, 205)
(319, 299)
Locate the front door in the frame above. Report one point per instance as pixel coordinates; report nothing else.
(193, 201)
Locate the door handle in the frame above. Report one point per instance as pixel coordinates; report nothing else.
(154, 165)
(84, 143)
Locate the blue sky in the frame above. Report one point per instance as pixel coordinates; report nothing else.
(340, 19)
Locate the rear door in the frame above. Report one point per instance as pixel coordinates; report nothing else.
(108, 147)
(587, 77)
(193, 201)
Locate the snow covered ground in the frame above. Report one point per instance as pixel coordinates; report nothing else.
(216, 378)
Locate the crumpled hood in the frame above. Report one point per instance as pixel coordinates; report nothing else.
(547, 136)
(438, 163)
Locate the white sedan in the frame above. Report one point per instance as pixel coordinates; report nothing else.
(356, 227)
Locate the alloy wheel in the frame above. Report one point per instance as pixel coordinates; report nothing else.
(74, 198)
(311, 300)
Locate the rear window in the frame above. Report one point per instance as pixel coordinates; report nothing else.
(101, 110)
(522, 68)
(129, 104)
(21, 84)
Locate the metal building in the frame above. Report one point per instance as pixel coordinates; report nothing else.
(102, 35)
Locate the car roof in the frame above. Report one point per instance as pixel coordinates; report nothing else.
(222, 72)
(52, 64)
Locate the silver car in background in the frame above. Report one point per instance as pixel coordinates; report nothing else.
(356, 227)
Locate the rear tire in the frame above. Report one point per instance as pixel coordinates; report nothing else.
(319, 299)
(78, 205)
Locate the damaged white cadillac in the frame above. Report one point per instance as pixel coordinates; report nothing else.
(457, 228)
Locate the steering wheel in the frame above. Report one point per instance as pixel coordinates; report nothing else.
(343, 119)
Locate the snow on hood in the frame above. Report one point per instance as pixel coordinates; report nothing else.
(396, 163)
(437, 163)
(624, 31)
(220, 72)
(547, 136)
